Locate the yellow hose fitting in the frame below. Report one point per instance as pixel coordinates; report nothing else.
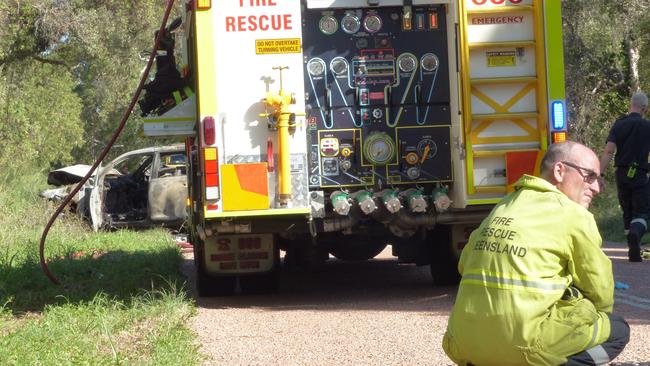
(282, 119)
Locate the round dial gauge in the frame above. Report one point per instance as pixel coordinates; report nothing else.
(407, 63)
(350, 24)
(328, 25)
(429, 62)
(339, 66)
(428, 147)
(379, 149)
(316, 67)
(372, 23)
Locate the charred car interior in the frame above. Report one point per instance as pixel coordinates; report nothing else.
(141, 188)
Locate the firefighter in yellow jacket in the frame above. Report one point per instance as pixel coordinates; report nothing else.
(536, 287)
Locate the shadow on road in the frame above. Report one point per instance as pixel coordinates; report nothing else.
(379, 284)
(382, 284)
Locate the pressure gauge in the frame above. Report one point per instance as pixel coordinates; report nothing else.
(372, 23)
(350, 24)
(379, 149)
(339, 66)
(316, 67)
(407, 63)
(429, 62)
(427, 149)
(328, 25)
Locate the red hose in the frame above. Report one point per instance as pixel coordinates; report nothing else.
(134, 99)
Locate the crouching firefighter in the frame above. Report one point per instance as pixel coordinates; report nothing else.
(629, 137)
(536, 287)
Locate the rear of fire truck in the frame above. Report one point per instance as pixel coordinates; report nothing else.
(338, 127)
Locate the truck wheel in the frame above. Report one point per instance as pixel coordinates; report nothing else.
(355, 248)
(206, 285)
(210, 286)
(301, 253)
(444, 263)
(263, 283)
(260, 284)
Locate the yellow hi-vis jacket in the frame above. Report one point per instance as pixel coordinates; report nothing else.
(512, 306)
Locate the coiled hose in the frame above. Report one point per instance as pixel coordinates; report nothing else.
(118, 131)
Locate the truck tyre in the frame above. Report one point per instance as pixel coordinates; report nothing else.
(355, 248)
(444, 263)
(206, 285)
(210, 286)
(263, 283)
(303, 253)
(260, 284)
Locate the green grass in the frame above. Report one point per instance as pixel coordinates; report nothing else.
(121, 299)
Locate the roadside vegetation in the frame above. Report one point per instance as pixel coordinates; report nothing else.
(122, 298)
(67, 71)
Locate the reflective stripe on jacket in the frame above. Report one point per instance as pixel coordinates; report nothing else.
(513, 306)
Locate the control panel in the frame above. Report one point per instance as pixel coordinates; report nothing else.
(377, 96)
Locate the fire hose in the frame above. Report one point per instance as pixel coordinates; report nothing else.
(104, 152)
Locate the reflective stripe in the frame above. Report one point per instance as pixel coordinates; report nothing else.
(500, 281)
(640, 221)
(599, 355)
(177, 96)
(594, 335)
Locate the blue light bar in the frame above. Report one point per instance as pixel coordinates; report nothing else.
(557, 108)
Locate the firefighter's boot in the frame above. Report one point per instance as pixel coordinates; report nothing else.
(637, 229)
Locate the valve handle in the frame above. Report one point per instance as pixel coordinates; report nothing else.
(270, 161)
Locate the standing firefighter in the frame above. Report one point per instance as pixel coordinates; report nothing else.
(630, 139)
(536, 287)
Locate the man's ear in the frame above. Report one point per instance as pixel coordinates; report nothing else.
(558, 172)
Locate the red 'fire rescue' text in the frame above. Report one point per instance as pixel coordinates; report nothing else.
(254, 23)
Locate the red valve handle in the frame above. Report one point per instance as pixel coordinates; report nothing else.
(269, 155)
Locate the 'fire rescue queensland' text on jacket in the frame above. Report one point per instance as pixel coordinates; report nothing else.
(512, 307)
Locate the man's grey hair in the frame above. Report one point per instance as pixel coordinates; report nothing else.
(556, 152)
(639, 100)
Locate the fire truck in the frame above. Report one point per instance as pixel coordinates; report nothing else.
(325, 128)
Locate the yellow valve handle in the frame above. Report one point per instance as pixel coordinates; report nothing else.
(425, 153)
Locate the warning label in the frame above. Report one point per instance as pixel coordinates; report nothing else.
(501, 58)
(273, 46)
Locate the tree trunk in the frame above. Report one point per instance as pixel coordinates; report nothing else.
(633, 55)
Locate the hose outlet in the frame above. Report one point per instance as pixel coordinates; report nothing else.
(365, 201)
(441, 200)
(391, 201)
(415, 200)
(340, 202)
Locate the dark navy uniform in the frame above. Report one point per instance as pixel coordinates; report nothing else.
(631, 134)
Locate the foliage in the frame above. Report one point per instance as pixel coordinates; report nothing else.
(601, 38)
(120, 300)
(41, 114)
(67, 72)
(103, 331)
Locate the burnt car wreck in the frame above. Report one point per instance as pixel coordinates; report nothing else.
(141, 188)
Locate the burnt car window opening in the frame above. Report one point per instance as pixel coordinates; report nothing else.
(171, 165)
(126, 194)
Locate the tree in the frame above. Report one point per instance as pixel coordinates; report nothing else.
(604, 42)
(85, 58)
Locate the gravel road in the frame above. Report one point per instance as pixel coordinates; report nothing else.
(373, 313)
